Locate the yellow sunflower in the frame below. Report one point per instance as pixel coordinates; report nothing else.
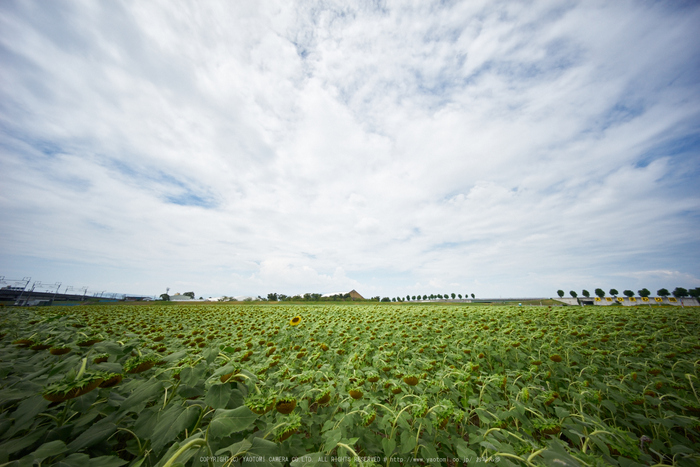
(295, 321)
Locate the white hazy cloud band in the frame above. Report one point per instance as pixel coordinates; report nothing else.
(502, 148)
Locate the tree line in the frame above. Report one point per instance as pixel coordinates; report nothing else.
(409, 298)
(678, 292)
(315, 297)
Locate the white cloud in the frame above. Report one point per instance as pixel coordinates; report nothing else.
(247, 147)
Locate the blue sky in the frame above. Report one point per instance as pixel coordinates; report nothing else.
(240, 148)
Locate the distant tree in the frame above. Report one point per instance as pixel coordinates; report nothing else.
(663, 293)
(165, 297)
(473, 296)
(600, 293)
(414, 297)
(460, 296)
(386, 299)
(189, 294)
(573, 294)
(628, 293)
(585, 293)
(201, 298)
(272, 297)
(644, 292)
(439, 296)
(453, 295)
(695, 293)
(680, 292)
(408, 297)
(614, 292)
(560, 293)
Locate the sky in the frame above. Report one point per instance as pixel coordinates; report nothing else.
(501, 148)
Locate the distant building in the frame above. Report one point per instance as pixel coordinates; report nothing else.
(180, 298)
(353, 294)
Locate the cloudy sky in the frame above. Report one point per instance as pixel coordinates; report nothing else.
(392, 147)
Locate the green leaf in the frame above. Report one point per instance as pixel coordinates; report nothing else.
(218, 396)
(147, 391)
(97, 432)
(561, 413)
(183, 457)
(403, 422)
(172, 422)
(463, 450)
(107, 461)
(87, 418)
(226, 422)
(610, 405)
(191, 376)
(388, 445)
(489, 446)
(679, 448)
(15, 445)
(146, 422)
(601, 445)
(408, 442)
(315, 459)
(25, 413)
(260, 452)
(236, 399)
(52, 448)
(430, 454)
(74, 460)
(84, 403)
(210, 354)
(186, 392)
(559, 458)
(331, 438)
(235, 449)
(175, 356)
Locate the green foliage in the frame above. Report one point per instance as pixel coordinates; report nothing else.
(663, 293)
(628, 293)
(573, 294)
(586, 293)
(599, 293)
(644, 292)
(560, 293)
(680, 292)
(517, 385)
(614, 292)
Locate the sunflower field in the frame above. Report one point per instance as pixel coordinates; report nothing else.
(320, 385)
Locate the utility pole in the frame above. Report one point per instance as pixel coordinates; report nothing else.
(58, 286)
(26, 281)
(29, 295)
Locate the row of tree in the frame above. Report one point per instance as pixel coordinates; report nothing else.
(678, 292)
(414, 298)
(315, 297)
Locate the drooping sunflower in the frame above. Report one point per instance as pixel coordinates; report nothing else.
(295, 321)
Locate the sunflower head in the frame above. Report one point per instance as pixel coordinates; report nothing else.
(295, 321)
